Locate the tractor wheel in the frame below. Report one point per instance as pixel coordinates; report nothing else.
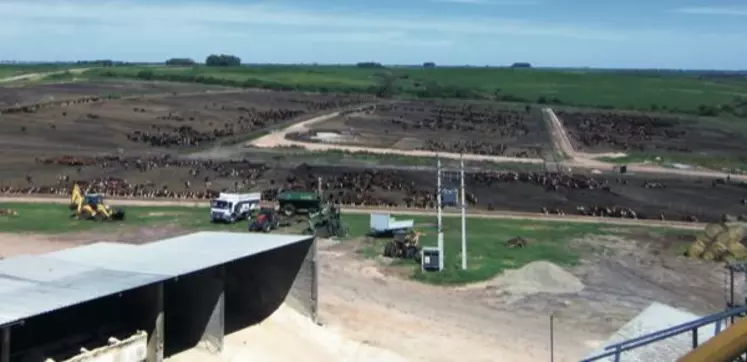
(390, 250)
(417, 255)
(410, 253)
(289, 210)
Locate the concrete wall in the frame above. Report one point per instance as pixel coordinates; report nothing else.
(61, 334)
(203, 306)
(258, 285)
(133, 349)
(303, 295)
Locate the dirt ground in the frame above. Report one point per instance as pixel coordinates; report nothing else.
(10, 96)
(363, 300)
(605, 131)
(472, 127)
(156, 124)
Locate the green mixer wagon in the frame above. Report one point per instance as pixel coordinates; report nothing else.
(298, 202)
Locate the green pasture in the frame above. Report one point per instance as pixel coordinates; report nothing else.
(670, 92)
(488, 253)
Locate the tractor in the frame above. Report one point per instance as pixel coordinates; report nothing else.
(405, 245)
(326, 222)
(266, 220)
(92, 207)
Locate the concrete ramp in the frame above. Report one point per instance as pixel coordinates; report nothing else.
(654, 318)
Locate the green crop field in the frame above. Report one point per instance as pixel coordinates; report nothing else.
(672, 92)
(488, 252)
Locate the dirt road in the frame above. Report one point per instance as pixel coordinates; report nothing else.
(278, 139)
(587, 160)
(505, 215)
(559, 136)
(32, 76)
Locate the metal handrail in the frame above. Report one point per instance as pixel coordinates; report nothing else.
(686, 326)
(692, 326)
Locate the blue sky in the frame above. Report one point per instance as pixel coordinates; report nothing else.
(702, 34)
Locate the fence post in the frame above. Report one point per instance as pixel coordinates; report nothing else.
(552, 337)
(695, 337)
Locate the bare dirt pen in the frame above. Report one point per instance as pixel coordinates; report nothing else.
(10, 96)
(156, 124)
(606, 131)
(484, 128)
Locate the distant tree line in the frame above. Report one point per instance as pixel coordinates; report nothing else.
(521, 65)
(222, 60)
(101, 62)
(369, 65)
(181, 62)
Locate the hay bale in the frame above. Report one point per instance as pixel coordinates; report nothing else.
(697, 248)
(736, 233)
(703, 238)
(737, 250)
(723, 238)
(708, 256)
(714, 229)
(719, 249)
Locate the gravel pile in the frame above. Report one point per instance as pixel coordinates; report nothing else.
(538, 277)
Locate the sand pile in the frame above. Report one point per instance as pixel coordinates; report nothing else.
(290, 336)
(538, 277)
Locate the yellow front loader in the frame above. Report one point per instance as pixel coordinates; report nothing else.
(92, 207)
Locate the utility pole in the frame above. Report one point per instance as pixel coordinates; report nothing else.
(440, 218)
(464, 216)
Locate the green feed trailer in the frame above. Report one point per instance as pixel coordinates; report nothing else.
(294, 202)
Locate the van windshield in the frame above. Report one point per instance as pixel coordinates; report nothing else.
(221, 204)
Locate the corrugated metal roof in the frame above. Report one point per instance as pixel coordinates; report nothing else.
(33, 285)
(183, 254)
(90, 251)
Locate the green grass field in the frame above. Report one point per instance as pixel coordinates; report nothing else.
(488, 253)
(670, 92)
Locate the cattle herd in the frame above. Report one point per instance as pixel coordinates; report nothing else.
(181, 131)
(470, 128)
(349, 187)
(626, 132)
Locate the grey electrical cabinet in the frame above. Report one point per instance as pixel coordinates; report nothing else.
(431, 259)
(450, 196)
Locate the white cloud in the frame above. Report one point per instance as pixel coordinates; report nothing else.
(221, 15)
(729, 11)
